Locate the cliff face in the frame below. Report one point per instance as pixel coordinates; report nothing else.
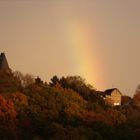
(3, 62)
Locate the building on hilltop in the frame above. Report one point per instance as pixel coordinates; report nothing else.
(112, 96)
(3, 63)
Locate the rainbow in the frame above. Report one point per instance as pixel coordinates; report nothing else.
(81, 41)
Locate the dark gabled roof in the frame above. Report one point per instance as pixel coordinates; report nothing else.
(109, 91)
(3, 62)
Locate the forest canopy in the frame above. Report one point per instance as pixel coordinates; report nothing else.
(66, 108)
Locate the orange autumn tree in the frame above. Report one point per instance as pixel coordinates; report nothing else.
(8, 121)
(71, 103)
(136, 96)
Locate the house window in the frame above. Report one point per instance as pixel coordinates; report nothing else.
(116, 103)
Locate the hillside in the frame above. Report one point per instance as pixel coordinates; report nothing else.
(65, 109)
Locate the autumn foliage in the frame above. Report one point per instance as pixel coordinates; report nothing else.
(65, 109)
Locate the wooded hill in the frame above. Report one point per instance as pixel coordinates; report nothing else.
(65, 109)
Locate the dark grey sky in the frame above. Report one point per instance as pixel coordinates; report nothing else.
(97, 39)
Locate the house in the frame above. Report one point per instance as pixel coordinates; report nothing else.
(3, 62)
(112, 96)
